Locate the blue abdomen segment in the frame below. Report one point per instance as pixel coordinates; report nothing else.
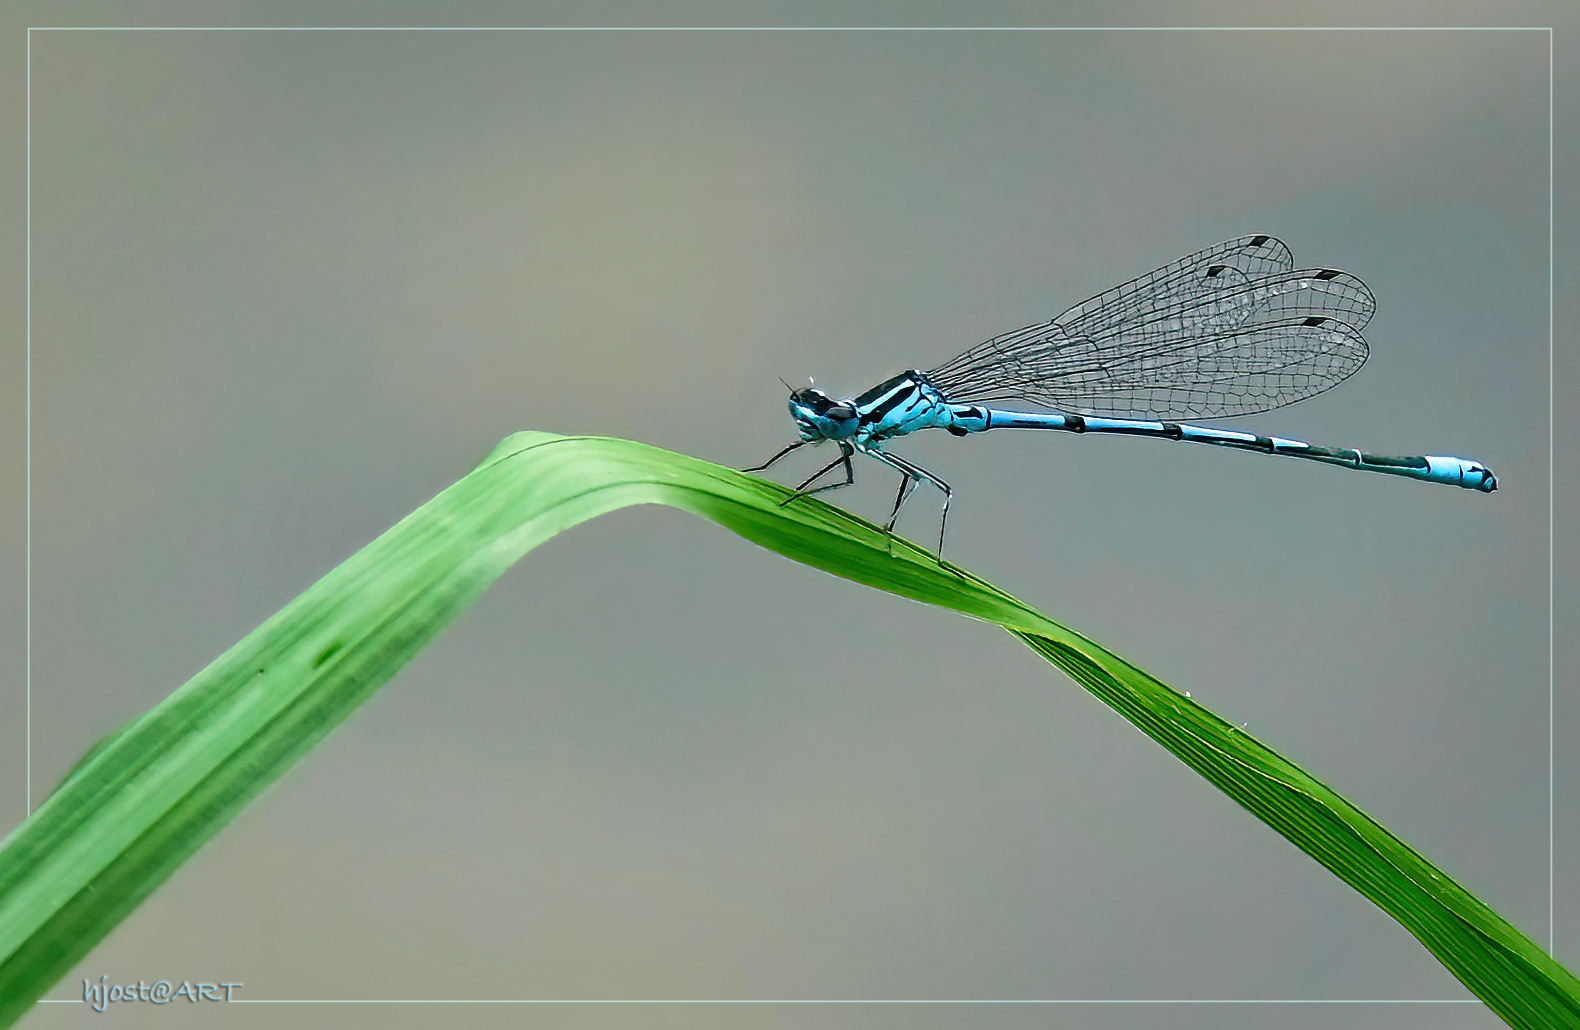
(1462, 472)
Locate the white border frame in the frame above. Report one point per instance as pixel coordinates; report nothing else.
(1550, 479)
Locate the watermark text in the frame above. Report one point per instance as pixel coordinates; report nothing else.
(100, 995)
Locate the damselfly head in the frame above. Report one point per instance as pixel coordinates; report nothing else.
(821, 417)
(812, 402)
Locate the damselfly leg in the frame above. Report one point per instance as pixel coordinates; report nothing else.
(845, 451)
(913, 472)
(776, 457)
(907, 487)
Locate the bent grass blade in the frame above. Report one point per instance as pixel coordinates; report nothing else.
(147, 796)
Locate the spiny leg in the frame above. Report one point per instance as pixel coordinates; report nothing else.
(904, 495)
(776, 457)
(943, 523)
(911, 470)
(899, 500)
(845, 451)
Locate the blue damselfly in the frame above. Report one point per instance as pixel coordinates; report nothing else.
(1234, 329)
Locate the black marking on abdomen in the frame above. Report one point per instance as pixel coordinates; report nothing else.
(1265, 443)
(1384, 460)
(1075, 423)
(1173, 431)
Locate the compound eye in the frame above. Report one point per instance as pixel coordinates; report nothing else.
(841, 412)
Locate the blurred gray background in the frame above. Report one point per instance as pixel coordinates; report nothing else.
(288, 285)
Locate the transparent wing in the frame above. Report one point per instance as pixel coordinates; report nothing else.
(1249, 257)
(1231, 330)
(1235, 371)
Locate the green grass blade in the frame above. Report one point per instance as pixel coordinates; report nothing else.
(148, 795)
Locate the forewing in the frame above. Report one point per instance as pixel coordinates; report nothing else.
(1201, 338)
(1224, 300)
(1249, 257)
